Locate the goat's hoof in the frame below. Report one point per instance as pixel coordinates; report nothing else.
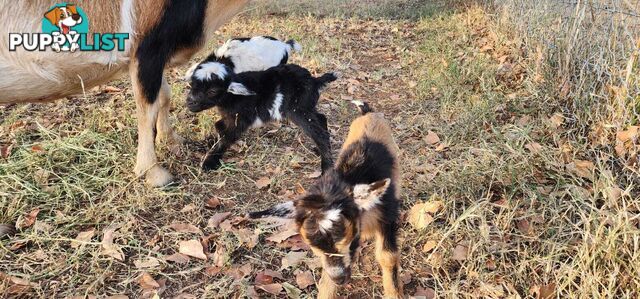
(7, 230)
(159, 177)
(214, 164)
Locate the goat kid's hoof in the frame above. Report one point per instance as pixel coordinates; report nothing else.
(208, 165)
(158, 177)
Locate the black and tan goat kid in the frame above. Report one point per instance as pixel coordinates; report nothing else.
(246, 54)
(162, 33)
(251, 99)
(357, 200)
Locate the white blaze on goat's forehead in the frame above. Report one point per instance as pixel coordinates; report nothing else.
(275, 108)
(206, 71)
(330, 217)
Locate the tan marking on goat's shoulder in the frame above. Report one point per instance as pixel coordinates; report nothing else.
(370, 223)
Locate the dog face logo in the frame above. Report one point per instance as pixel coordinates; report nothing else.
(64, 17)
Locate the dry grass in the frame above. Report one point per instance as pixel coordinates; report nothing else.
(529, 213)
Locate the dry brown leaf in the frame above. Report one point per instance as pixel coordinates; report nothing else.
(37, 148)
(263, 183)
(111, 89)
(216, 219)
(281, 236)
(314, 175)
(5, 151)
(185, 228)
(212, 203)
(557, 120)
(460, 253)
(274, 288)
(430, 245)
(304, 279)
(83, 237)
(491, 264)
(178, 258)
(432, 138)
(292, 259)
(582, 168)
(149, 263)
(246, 236)
(547, 291)
(108, 247)
(267, 276)
(240, 272)
(192, 248)
(419, 216)
(524, 227)
(629, 134)
(220, 256)
(27, 220)
(427, 293)
(147, 282)
(534, 147)
(188, 208)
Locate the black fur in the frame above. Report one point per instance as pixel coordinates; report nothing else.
(181, 26)
(300, 93)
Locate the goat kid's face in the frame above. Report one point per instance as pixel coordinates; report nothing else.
(328, 217)
(210, 81)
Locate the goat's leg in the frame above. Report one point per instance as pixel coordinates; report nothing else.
(165, 130)
(314, 125)
(327, 289)
(230, 131)
(388, 256)
(147, 111)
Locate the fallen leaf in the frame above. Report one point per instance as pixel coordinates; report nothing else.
(524, 227)
(547, 291)
(304, 279)
(582, 168)
(147, 282)
(292, 291)
(111, 89)
(37, 148)
(491, 264)
(185, 228)
(212, 203)
(283, 235)
(192, 248)
(292, 259)
(216, 219)
(5, 151)
(83, 237)
(314, 175)
(419, 216)
(188, 208)
(430, 245)
(149, 263)
(427, 293)
(266, 277)
(300, 189)
(557, 120)
(27, 220)
(263, 183)
(246, 236)
(431, 138)
(220, 256)
(460, 253)
(534, 147)
(629, 134)
(178, 258)
(295, 243)
(239, 272)
(274, 288)
(213, 270)
(108, 247)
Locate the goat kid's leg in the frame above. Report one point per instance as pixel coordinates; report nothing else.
(314, 125)
(229, 134)
(165, 129)
(327, 289)
(147, 111)
(388, 257)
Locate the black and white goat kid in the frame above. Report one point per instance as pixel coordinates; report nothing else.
(246, 54)
(251, 99)
(357, 199)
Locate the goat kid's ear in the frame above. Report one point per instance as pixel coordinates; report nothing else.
(367, 196)
(190, 71)
(282, 211)
(239, 89)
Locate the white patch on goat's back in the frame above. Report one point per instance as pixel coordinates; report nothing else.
(127, 15)
(275, 108)
(256, 54)
(330, 217)
(363, 197)
(206, 70)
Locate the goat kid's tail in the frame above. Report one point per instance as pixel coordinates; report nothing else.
(325, 79)
(363, 106)
(295, 46)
